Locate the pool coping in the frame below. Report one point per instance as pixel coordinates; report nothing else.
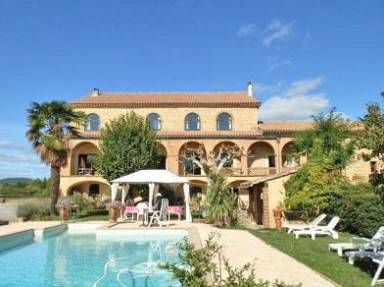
(39, 233)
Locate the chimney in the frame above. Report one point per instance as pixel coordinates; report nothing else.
(250, 89)
(96, 92)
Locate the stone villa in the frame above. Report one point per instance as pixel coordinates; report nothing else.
(185, 120)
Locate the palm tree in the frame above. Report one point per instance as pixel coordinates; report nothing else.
(50, 127)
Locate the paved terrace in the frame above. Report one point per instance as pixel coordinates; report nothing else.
(239, 246)
(23, 226)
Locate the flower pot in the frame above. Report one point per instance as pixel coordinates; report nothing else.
(64, 214)
(277, 213)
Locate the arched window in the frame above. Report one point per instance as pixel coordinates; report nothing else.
(154, 121)
(224, 122)
(92, 122)
(192, 122)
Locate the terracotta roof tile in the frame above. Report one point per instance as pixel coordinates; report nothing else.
(293, 126)
(176, 99)
(286, 126)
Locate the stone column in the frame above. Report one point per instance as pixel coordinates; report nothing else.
(278, 157)
(266, 213)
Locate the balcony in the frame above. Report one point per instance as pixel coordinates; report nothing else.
(251, 171)
(247, 172)
(85, 172)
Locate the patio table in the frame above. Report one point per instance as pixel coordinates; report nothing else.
(178, 210)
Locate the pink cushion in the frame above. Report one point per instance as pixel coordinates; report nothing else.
(130, 209)
(175, 209)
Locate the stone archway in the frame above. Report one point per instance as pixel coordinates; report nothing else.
(261, 159)
(162, 152)
(186, 153)
(233, 167)
(81, 158)
(89, 188)
(287, 162)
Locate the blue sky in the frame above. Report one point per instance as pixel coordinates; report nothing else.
(304, 57)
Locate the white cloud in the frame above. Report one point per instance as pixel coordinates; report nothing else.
(301, 87)
(18, 158)
(279, 65)
(22, 165)
(259, 88)
(277, 30)
(246, 30)
(295, 102)
(11, 145)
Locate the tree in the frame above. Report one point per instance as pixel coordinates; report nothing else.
(372, 139)
(329, 147)
(127, 144)
(314, 187)
(330, 138)
(219, 199)
(221, 204)
(50, 127)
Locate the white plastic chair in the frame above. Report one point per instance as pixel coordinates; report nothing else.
(357, 243)
(142, 210)
(321, 230)
(158, 216)
(313, 223)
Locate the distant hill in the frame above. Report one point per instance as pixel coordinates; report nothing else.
(14, 180)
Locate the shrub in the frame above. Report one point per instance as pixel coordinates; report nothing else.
(35, 210)
(221, 204)
(196, 265)
(85, 203)
(314, 187)
(360, 210)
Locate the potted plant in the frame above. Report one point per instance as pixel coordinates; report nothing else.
(277, 212)
(64, 205)
(114, 211)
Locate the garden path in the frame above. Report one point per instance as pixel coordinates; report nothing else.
(241, 247)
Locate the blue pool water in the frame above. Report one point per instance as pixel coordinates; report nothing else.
(84, 260)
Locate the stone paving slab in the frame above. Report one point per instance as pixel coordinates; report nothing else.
(241, 247)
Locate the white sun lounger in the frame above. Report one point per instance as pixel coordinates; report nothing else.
(357, 243)
(320, 230)
(313, 223)
(379, 259)
(376, 257)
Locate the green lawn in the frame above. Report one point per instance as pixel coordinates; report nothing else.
(97, 215)
(315, 254)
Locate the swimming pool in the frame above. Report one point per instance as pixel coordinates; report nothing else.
(77, 260)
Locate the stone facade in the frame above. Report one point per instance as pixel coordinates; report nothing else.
(266, 146)
(172, 119)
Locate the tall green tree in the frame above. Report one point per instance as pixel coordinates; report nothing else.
(372, 138)
(329, 147)
(330, 138)
(51, 124)
(222, 209)
(127, 144)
